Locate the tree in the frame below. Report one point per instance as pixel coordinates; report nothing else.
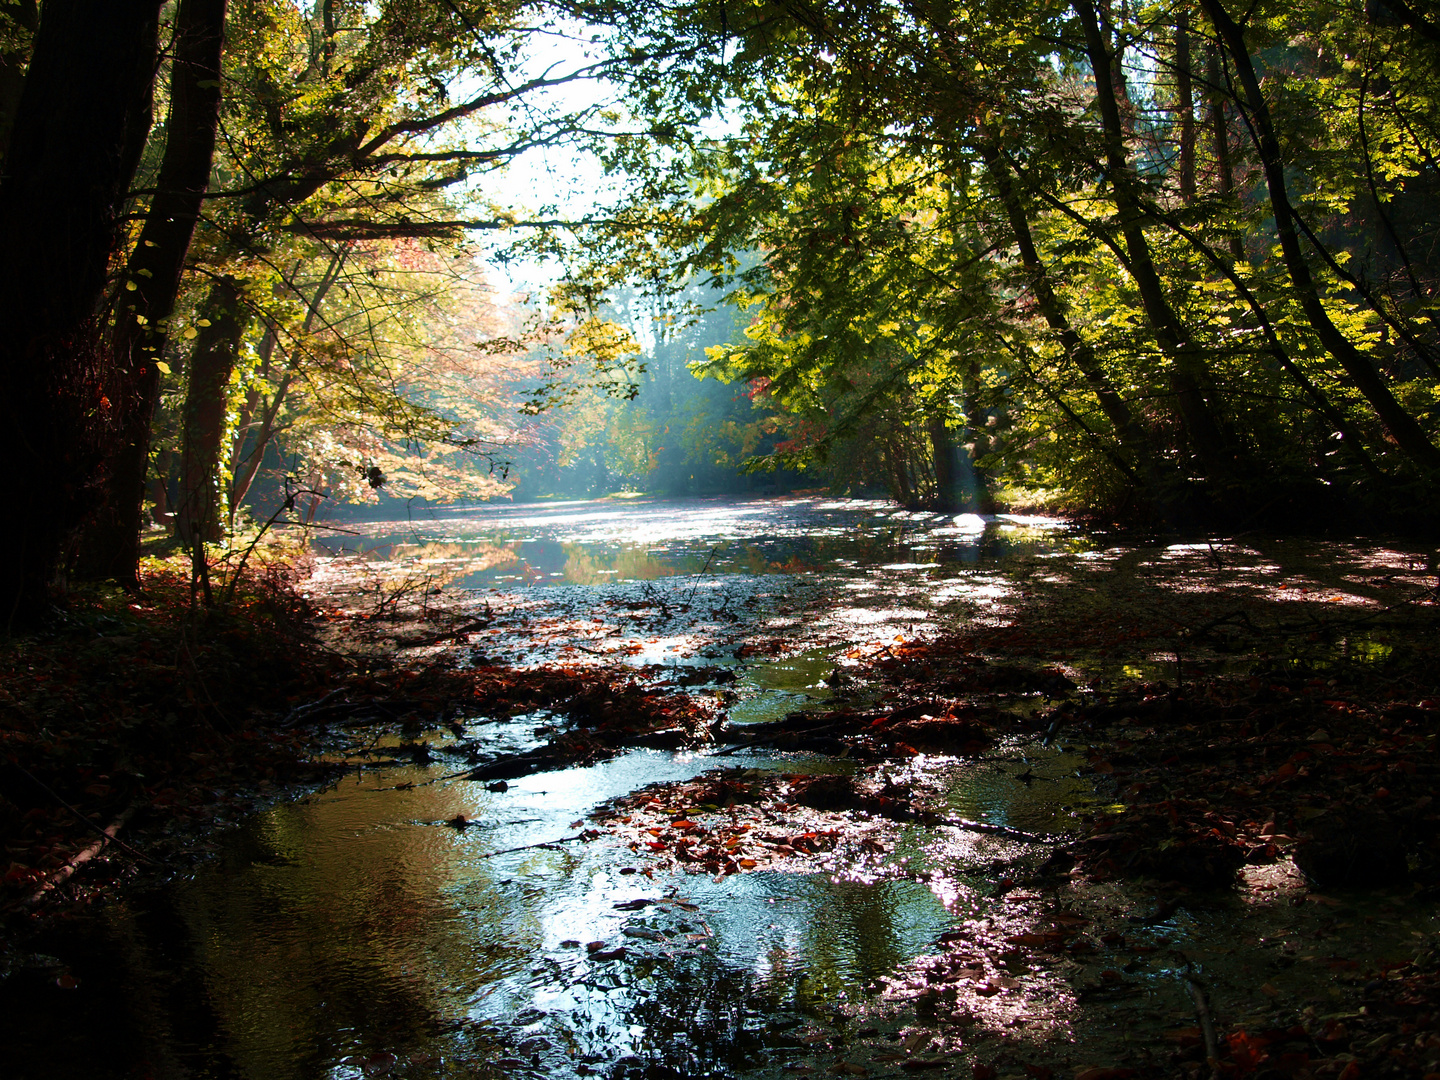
(151, 278)
(79, 128)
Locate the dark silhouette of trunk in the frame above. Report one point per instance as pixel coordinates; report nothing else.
(198, 517)
(110, 545)
(976, 443)
(79, 128)
(899, 477)
(1122, 420)
(245, 469)
(1185, 104)
(1399, 424)
(1188, 374)
(159, 486)
(23, 17)
(253, 425)
(1220, 134)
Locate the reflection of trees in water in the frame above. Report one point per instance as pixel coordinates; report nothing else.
(590, 564)
(787, 540)
(303, 952)
(851, 937)
(703, 1020)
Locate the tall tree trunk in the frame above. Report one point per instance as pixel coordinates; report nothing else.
(1220, 134)
(1188, 374)
(80, 126)
(199, 516)
(244, 470)
(1407, 434)
(950, 492)
(974, 444)
(160, 486)
(110, 544)
(899, 477)
(1122, 420)
(247, 424)
(1185, 104)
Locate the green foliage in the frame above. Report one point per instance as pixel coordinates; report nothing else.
(856, 178)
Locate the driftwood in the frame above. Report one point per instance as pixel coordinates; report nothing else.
(994, 830)
(64, 873)
(1207, 1024)
(105, 832)
(532, 847)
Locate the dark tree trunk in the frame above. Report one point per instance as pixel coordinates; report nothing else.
(80, 126)
(899, 477)
(1122, 420)
(198, 517)
(160, 486)
(950, 492)
(1188, 373)
(110, 544)
(1185, 104)
(1220, 132)
(1406, 432)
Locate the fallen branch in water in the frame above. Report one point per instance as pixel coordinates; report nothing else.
(1207, 1025)
(995, 830)
(64, 873)
(105, 832)
(532, 847)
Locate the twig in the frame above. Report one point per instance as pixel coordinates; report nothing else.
(998, 830)
(1207, 1025)
(302, 710)
(62, 874)
(691, 595)
(411, 785)
(532, 847)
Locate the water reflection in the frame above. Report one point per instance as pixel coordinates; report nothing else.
(353, 933)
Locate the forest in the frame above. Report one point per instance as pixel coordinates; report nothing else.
(806, 406)
(1150, 263)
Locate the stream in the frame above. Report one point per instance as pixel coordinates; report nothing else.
(353, 932)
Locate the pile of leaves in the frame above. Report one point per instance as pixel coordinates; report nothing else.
(733, 820)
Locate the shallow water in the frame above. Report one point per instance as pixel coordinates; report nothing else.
(354, 933)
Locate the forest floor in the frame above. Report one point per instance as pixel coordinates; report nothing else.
(1236, 720)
